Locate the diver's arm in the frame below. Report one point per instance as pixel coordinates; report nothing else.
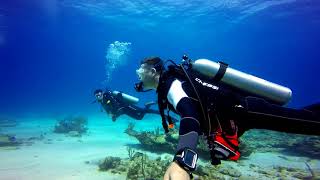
(151, 111)
(189, 127)
(189, 124)
(102, 107)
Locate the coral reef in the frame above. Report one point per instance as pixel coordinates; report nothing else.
(309, 146)
(251, 141)
(153, 141)
(138, 166)
(8, 140)
(74, 126)
(156, 142)
(208, 172)
(280, 172)
(131, 152)
(109, 163)
(271, 141)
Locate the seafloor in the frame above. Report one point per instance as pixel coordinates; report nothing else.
(34, 151)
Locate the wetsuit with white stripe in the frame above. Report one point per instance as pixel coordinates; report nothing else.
(182, 103)
(248, 113)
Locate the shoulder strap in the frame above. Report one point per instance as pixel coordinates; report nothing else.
(162, 107)
(163, 103)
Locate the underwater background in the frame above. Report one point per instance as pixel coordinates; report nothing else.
(55, 53)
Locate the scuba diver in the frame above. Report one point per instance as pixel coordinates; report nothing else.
(220, 103)
(116, 103)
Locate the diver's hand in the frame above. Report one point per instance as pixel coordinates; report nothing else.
(175, 172)
(114, 118)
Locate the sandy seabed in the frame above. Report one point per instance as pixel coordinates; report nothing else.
(58, 157)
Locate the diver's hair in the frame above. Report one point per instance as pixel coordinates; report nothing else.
(154, 62)
(97, 91)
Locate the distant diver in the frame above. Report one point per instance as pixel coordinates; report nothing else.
(220, 103)
(117, 103)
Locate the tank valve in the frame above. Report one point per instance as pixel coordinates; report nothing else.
(186, 61)
(185, 57)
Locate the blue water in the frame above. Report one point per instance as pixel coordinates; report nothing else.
(53, 52)
(53, 56)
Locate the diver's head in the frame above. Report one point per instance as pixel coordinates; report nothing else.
(98, 94)
(149, 73)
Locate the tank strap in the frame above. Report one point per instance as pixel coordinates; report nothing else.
(222, 70)
(163, 103)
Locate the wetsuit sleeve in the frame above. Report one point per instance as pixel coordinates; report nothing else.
(189, 124)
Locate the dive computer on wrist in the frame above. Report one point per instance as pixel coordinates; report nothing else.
(186, 158)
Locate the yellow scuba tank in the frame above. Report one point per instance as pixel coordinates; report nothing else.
(270, 91)
(127, 98)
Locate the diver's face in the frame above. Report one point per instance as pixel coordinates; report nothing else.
(146, 74)
(99, 96)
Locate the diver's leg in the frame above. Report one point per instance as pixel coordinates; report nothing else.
(313, 107)
(150, 111)
(134, 112)
(263, 115)
(148, 104)
(115, 115)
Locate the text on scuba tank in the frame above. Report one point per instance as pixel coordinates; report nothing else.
(207, 84)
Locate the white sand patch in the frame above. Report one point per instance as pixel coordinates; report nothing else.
(58, 156)
(268, 160)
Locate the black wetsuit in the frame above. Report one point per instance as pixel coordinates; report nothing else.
(221, 104)
(116, 106)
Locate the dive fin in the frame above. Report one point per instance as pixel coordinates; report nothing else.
(313, 107)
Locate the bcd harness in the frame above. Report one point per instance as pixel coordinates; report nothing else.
(229, 143)
(180, 72)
